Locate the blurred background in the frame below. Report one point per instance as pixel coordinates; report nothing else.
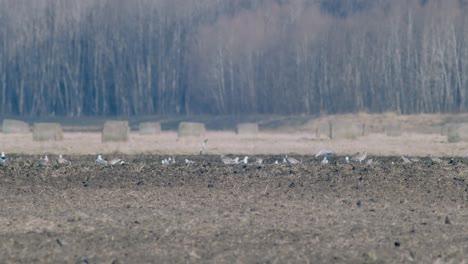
(240, 57)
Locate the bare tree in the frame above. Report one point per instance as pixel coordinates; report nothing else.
(116, 57)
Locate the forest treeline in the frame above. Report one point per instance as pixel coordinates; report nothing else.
(236, 57)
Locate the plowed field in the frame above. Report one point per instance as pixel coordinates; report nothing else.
(210, 212)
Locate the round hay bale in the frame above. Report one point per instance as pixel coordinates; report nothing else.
(453, 135)
(323, 129)
(247, 129)
(191, 129)
(444, 131)
(116, 131)
(11, 126)
(393, 130)
(375, 127)
(47, 131)
(457, 132)
(150, 128)
(345, 129)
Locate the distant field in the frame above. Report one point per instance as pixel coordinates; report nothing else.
(228, 142)
(421, 136)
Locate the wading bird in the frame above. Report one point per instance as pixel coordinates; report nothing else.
(3, 158)
(291, 161)
(405, 160)
(117, 161)
(359, 157)
(326, 153)
(435, 159)
(44, 162)
(62, 161)
(323, 152)
(229, 161)
(101, 161)
(202, 150)
(258, 161)
(325, 160)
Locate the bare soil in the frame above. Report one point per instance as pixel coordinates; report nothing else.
(145, 212)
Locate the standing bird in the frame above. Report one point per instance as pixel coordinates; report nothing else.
(202, 150)
(245, 160)
(323, 152)
(291, 161)
(405, 160)
(258, 160)
(101, 161)
(435, 159)
(359, 157)
(229, 161)
(3, 158)
(117, 161)
(168, 161)
(44, 162)
(346, 160)
(62, 161)
(325, 160)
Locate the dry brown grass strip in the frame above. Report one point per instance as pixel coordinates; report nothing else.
(229, 142)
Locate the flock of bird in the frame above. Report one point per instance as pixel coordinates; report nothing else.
(326, 154)
(358, 157)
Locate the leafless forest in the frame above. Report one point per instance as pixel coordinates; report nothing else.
(118, 57)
